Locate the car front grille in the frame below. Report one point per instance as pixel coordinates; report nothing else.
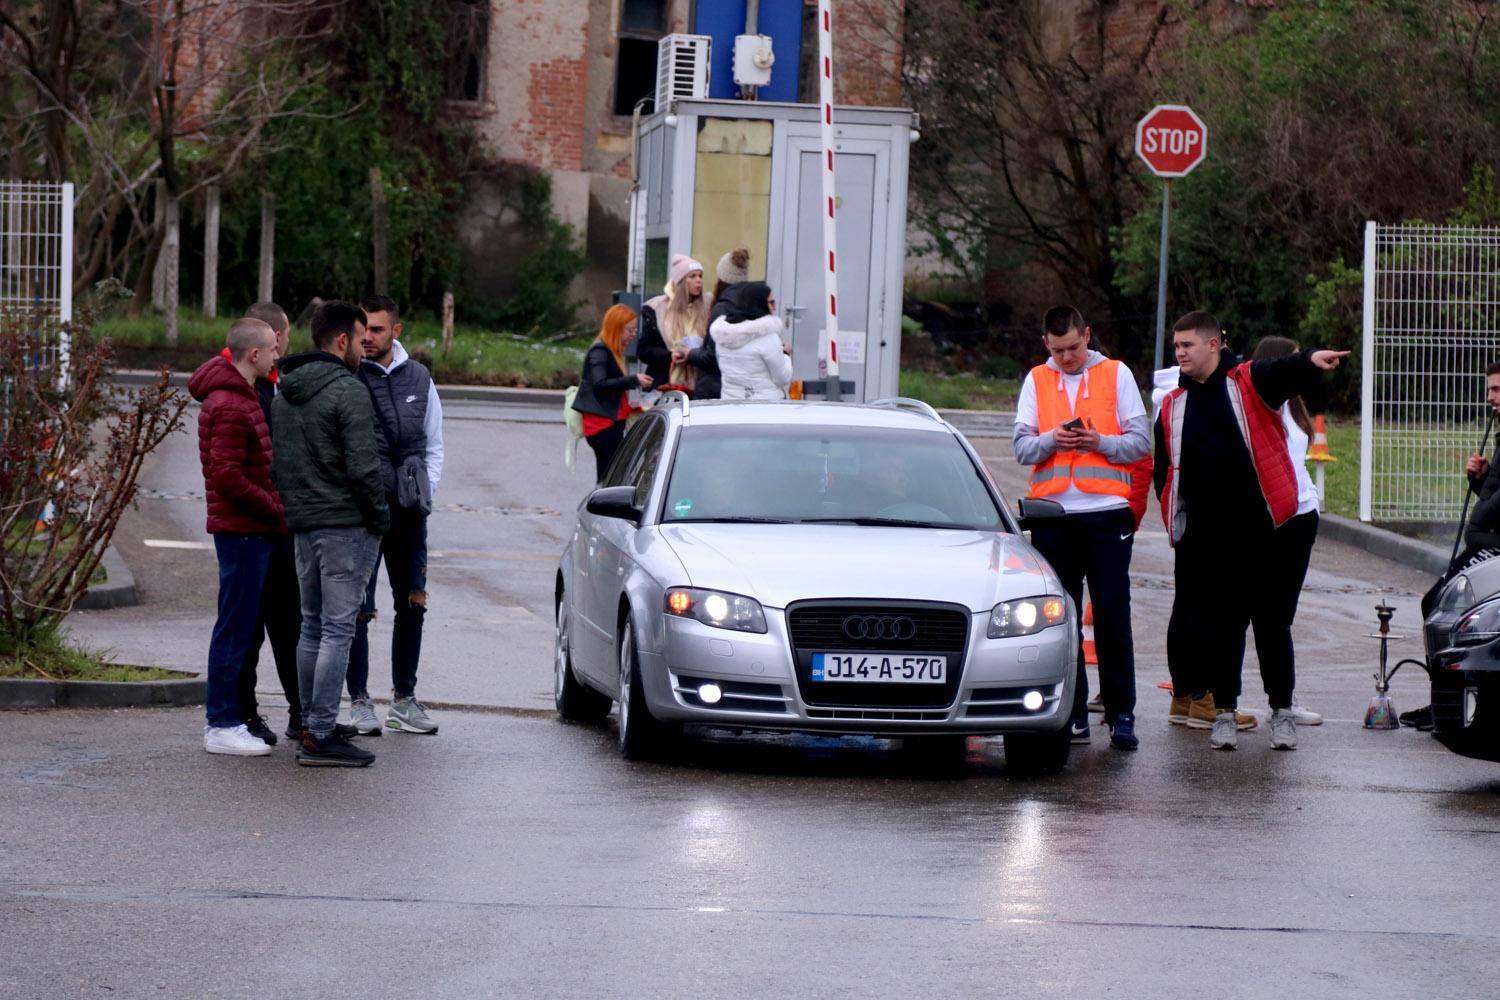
(894, 627)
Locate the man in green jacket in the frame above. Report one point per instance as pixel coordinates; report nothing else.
(327, 468)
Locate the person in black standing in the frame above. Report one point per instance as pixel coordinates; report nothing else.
(280, 606)
(409, 435)
(603, 392)
(1226, 483)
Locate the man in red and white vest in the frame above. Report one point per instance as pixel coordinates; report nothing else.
(1081, 426)
(1223, 470)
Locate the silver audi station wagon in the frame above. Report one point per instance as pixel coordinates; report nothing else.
(816, 567)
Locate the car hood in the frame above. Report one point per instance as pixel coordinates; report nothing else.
(781, 563)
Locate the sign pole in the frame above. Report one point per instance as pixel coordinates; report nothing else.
(1173, 140)
(1161, 276)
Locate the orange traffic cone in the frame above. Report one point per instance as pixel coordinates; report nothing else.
(1090, 654)
(1318, 450)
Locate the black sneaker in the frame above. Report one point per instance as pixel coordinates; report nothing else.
(1122, 733)
(1079, 730)
(1418, 718)
(293, 730)
(258, 728)
(335, 751)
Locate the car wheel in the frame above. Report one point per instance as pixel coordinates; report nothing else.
(642, 735)
(1031, 754)
(576, 701)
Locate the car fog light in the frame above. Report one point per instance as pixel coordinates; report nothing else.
(709, 694)
(1032, 700)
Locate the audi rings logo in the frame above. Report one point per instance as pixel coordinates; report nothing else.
(889, 627)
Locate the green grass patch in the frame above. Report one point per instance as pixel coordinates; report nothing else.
(48, 656)
(960, 392)
(478, 356)
(1341, 478)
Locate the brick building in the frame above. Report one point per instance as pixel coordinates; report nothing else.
(549, 86)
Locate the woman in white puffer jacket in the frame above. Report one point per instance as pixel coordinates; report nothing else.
(747, 338)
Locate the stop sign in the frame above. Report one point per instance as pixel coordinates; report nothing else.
(1171, 139)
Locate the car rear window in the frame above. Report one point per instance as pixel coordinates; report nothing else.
(860, 474)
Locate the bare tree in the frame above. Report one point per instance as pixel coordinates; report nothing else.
(177, 89)
(1028, 112)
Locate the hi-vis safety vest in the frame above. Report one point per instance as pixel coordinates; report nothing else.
(1088, 471)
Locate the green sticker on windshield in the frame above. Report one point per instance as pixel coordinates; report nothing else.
(683, 507)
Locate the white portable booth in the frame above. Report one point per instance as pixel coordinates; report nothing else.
(718, 174)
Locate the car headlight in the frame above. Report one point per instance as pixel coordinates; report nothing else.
(1026, 616)
(715, 608)
(1457, 596)
(1480, 625)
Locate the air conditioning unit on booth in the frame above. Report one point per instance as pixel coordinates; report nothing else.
(681, 68)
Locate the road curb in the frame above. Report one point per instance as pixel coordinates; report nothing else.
(117, 590)
(25, 693)
(1383, 543)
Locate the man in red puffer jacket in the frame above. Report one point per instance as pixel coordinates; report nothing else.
(244, 515)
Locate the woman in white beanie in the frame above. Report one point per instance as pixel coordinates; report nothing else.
(733, 268)
(674, 321)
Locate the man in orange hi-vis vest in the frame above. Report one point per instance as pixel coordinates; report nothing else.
(1081, 425)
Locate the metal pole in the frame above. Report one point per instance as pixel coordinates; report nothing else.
(1367, 383)
(1161, 277)
(830, 352)
(65, 287)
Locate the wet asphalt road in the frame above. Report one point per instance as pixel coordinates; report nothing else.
(514, 856)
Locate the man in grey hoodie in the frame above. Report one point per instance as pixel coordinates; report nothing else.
(1081, 425)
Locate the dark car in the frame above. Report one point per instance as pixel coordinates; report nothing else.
(1462, 639)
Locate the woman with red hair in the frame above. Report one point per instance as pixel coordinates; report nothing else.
(602, 397)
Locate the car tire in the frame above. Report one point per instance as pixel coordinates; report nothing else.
(1034, 754)
(576, 701)
(642, 735)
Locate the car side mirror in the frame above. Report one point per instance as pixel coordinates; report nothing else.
(1035, 509)
(616, 501)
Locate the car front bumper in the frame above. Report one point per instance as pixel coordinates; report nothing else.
(761, 689)
(1466, 699)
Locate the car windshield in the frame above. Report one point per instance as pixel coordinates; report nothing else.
(857, 475)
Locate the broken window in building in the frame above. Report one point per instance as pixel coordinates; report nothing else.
(642, 23)
(468, 33)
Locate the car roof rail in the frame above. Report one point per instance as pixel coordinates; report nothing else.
(672, 395)
(907, 403)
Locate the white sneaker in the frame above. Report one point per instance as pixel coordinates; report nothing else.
(1304, 716)
(1222, 736)
(1283, 730)
(233, 740)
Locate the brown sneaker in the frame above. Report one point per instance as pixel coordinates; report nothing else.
(1201, 715)
(1177, 715)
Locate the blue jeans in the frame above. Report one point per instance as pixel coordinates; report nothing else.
(243, 560)
(405, 550)
(332, 567)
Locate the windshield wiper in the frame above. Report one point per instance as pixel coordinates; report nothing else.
(890, 522)
(732, 520)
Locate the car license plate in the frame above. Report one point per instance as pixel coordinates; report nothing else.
(879, 668)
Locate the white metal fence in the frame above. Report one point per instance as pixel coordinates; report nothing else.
(1431, 326)
(36, 253)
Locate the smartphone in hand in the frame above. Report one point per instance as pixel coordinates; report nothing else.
(1076, 424)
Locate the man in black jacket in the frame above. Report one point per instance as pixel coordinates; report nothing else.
(1222, 467)
(328, 472)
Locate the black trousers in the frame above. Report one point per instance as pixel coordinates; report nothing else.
(1224, 586)
(1096, 547)
(605, 444)
(281, 620)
